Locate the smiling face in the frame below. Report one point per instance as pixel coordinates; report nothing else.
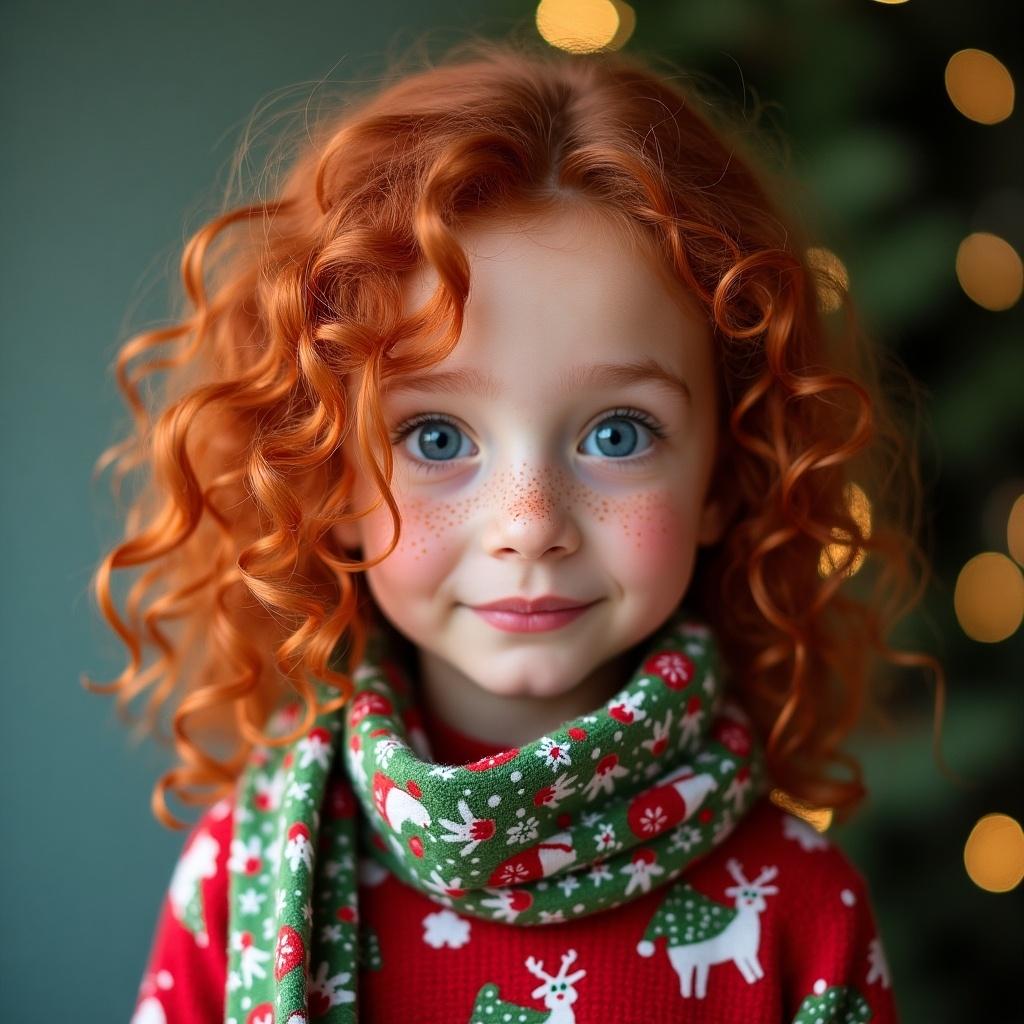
(549, 476)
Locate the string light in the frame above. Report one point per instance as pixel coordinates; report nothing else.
(980, 86)
(990, 271)
(994, 853)
(831, 278)
(835, 554)
(585, 26)
(989, 597)
(1015, 531)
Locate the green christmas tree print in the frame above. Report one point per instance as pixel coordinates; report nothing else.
(836, 1004)
(558, 991)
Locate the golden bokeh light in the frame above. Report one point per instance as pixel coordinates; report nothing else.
(989, 597)
(818, 817)
(833, 555)
(990, 271)
(1015, 531)
(994, 853)
(980, 86)
(890, 1)
(585, 26)
(831, 278)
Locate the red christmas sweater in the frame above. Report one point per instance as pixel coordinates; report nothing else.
(797, 943)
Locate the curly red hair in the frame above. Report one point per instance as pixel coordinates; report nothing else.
(247, 593)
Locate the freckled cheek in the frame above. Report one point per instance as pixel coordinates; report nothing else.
(648, 534)
(422, 555)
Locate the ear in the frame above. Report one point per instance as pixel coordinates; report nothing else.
(713, 519)
(349, 536)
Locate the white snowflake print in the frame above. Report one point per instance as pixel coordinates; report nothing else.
(298, 790)
(444, 928)
(325, 992)
(251, 959)
(554, 753)
(246, 858)
(600, 872)
(386, 750)
(878, 965)
(568, 884)
(591, 818)
(806, 835)
(268, 929)
(673, 667)
(281, 899)
(330, 933)
(641, 871)
(522, 831)
(551, 916)
(684, 837)
(250, 901)
(471, 830)
(234, 981)
(653, 820)
(510, 874)
(604, 838)
(316, 747)
(445, 772)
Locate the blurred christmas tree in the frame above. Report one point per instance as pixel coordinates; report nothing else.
(895, 178)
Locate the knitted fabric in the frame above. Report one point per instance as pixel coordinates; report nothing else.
(487, 838)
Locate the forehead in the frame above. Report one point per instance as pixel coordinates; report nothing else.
(553, 296)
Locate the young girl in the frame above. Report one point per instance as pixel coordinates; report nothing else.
(504, 548)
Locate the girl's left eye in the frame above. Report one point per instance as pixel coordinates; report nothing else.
(615, 435)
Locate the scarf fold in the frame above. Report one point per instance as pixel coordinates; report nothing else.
(639, 788)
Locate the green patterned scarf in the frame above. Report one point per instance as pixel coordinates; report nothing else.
(644, 785)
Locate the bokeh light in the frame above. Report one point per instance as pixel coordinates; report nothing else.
(980, 86)
(831, 278)
(833, 555)
(818, 817)
(989, 597)
(994, 853)
(990, 271)
(585, 26)
(1015, 531)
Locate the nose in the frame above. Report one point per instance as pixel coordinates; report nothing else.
(531, 519)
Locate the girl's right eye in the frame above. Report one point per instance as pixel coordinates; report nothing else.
(437, 446)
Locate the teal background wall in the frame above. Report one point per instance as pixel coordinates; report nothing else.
(119, 122)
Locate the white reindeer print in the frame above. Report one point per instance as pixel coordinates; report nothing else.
(557, 991)
(703, 933)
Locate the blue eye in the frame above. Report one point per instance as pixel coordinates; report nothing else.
(617, 435)
(434, 448)
(437, 445)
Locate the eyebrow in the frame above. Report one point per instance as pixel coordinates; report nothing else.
(472, 381)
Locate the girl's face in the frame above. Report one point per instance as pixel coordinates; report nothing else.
(532, 468)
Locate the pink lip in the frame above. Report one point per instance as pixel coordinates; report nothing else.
(525, 605)
(531, 622)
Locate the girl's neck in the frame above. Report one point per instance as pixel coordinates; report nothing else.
(505, 721)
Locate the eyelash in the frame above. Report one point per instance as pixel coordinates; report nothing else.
(406, 427)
